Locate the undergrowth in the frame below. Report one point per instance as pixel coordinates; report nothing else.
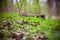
(31, 24)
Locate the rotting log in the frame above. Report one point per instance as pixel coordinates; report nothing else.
(31, 14)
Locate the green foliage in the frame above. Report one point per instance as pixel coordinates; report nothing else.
(55, 36)
(48, 26)
(5, 33)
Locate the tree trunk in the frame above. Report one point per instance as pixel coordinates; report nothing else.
(3, 5)
(10, 5)
(6, 5)
(54, 9)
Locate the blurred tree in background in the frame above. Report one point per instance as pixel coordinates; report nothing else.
(6, 5)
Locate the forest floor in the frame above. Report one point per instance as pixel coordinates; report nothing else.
(16, 27)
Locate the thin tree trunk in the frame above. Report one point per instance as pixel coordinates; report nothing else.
(10, 5)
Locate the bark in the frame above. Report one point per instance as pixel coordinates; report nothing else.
(54, 9)
(6, 5)
(3, 5)
(10, 5)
